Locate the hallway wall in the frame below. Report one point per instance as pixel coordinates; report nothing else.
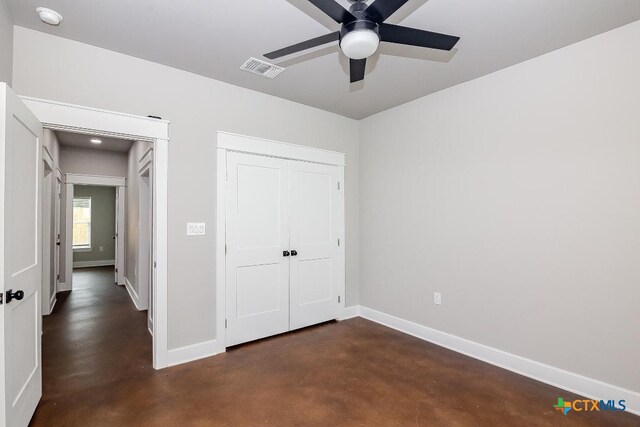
(6, 44)
(138, 149)
(197, 107)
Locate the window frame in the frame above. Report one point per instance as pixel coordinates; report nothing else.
(83, 248)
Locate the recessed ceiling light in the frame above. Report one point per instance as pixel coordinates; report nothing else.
(95, 141)
(49, 16)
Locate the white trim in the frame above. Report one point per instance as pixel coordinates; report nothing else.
(61, 116)
(132, 293)
(221, 208)
(53, 304)
(120, 232)
(98, 180)
(46, 156)
(193, 352)
(63, 287)
(572, 382)
(266, 147)
(350, 312)
(342, 255)
(97, 263)
(68, 236)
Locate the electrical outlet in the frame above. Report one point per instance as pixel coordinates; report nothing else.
(195, 229)
(101, 248)
(437, 298)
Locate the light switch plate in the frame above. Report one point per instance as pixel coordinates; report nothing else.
(195, 229)
(437, 298)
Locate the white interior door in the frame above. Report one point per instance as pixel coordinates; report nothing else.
(21, 260)
(314, 228)
(257, 270)
(119, 236)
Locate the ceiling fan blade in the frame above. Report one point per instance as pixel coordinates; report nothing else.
(308, 44)
(356, 69)
(334, 10)
(380, 10)
(413, 37)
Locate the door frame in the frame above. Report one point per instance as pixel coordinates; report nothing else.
(71, 180)
(259, 146)
(145, 244)
(92, 121)
(48, 227)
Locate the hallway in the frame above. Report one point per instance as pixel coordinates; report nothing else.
(93, 344)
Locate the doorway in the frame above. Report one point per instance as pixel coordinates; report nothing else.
(154, 133)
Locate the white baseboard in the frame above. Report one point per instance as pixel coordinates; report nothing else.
(193, 352)
(350, 312)
(98, 263)
(132, 293)
(62, 287)
(52, 304)
(575, 383)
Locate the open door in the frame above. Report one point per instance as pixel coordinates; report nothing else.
(20, 260)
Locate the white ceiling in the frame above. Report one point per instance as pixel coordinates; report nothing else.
(79, 140)
(214, 37)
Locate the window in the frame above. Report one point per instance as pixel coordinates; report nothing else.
(81, 223)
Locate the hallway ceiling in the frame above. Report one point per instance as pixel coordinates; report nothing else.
(80, 140)
(213, 38)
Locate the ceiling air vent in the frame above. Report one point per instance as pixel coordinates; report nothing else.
(262, 68)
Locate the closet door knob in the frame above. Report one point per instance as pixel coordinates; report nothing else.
(294, 253)
(285, 253)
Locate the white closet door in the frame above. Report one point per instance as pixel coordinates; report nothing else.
(257, 272)
(314, 237)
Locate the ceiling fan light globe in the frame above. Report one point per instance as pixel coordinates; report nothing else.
(360, 44)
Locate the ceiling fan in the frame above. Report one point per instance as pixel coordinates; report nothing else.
(362, 29)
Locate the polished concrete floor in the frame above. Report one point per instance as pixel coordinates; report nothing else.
(97, 372)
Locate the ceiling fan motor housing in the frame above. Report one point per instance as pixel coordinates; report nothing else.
(358, 26)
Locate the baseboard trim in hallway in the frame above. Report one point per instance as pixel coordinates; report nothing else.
(189, 353)
(97, 263)
(572, 382)
(132, 293)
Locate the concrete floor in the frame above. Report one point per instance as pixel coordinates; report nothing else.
(97, 372)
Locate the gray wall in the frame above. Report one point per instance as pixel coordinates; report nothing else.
(6, 44)
(103, 223)
(93, 162)
(196, 107)
(516, 195)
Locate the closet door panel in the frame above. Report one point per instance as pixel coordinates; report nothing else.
(257, 226)
(314, 237)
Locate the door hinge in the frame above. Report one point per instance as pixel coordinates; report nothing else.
(58, 277)
(116, 269)
(225, 249)
(338, 298)
(225, 323)
(154, 264)
(1, 298)
(338, 185)
(338, 242)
